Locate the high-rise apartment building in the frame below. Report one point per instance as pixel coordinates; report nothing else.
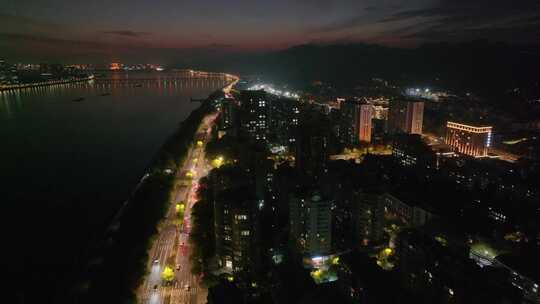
(311, 224)
(284, 121)
(236, 231)
(467, 139)
(406, 116)
(409, 150)
(356, 122)
(228, 113)
(255, 106)
(312, 144)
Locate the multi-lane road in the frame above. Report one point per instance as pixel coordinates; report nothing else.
(171, 248)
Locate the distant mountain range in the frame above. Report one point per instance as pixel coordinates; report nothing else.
(478, 65)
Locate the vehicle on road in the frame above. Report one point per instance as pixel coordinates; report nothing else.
(156, 261)
(177, 266)
(187, 287)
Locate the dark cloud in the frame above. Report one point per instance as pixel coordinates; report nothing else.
(341, 25)
(126, 33)
(447, 20)
(478, 10)
(27, 24)
(458, 20)
(512, 31)
(168, 26)
(8, 38)
(36, 48)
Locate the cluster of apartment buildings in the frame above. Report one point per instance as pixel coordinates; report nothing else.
(323, 219)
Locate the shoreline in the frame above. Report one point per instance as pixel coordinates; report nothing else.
(15, 87)
(119, 230)
(189, 74)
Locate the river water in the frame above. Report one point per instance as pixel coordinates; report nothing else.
(66, 166)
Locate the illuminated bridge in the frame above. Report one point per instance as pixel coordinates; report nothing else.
(162, 82)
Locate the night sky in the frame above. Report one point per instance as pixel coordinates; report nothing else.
(154, 30)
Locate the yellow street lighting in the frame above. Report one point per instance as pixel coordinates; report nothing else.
(218, 161)
(387, 251)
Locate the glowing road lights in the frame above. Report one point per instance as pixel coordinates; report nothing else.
(168, 274)
(180, 207)
(271, 90)
(114, 66)
(218, 161)
(154, 298)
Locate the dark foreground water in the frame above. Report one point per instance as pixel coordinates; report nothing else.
(66, 166)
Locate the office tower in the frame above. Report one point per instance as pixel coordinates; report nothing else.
(469, 140)
(406, 116)
(255, 120)
(355, 122)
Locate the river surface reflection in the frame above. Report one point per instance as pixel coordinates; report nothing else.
(70, 154)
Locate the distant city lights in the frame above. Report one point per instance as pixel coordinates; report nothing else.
(426, 93)
(268, 88)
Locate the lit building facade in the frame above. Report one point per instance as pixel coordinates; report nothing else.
(311, 224)
(284, 121)
(469, 140)
(409, 150)
(243, 237)
(115, 66)
(366, 113)
(380, 112)
(356, 122)
(319, 226)
(235, 227)
(255, 105)
(406, 116)
(227, 116)
(372, 212)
